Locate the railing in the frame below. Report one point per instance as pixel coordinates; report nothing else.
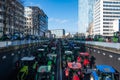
(104, 44)
(13, 43)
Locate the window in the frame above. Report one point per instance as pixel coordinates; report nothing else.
(111, 2)
(106, 23)
(107, 26)
(1, 21)
(115, 9)
(108, 19)
(111, 6)
(110, 16)
(105, 29)
(1, 29)
(111, 12)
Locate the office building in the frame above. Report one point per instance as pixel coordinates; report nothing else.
(36, 21)
(105, 12)
(59, 33)
(82, 15)
(48, 34)
(85, 14)
(116, 25)
(11, 17)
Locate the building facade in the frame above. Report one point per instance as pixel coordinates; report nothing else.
(48, 34)
(59, 33)
(105, 12)
(11, 17)
(85, 14)
(90, 29)
(36, 21)
(116, 25)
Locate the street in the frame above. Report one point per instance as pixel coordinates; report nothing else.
(57, 59)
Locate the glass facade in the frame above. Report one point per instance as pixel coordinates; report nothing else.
(85, 14)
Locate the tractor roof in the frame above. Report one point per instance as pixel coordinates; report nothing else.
(31, 58)
(105, 68)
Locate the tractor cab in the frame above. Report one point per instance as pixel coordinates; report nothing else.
(53, 49)
(104, 72)
(43, 73)
(51, 56)
(68, 56)
(41, 52)
(28, 66)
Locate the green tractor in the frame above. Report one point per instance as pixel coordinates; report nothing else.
(44, 73)
(116, 37)
(28, 68)
(99, 38)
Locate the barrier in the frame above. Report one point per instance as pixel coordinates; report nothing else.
(13, 43)
(104, 44)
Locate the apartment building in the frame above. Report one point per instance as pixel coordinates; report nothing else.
(11, 17)
(36, 21)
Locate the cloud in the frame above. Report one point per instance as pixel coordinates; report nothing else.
(32, 4)
(60, 21)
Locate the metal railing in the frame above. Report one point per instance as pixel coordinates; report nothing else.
(14, 43)
(104, 44)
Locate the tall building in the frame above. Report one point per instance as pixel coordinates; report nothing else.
(116, 25)
(105, 12)
(11, 17)
(91, 4)
(59, 33)
(85, 14)
(36, 21)
(82, 16)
